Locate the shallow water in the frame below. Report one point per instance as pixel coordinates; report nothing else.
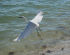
(55, 25)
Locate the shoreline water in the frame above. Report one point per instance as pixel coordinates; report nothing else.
(55, 25)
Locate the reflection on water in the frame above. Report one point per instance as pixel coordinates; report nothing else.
(55, 25)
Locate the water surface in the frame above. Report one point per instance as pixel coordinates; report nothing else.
(55, 24)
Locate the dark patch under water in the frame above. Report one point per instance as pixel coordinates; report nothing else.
(11, 53)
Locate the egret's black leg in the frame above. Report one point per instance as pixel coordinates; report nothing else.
(39, 33)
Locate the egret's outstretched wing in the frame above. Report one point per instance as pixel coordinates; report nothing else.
(38, 18)
(32, 25)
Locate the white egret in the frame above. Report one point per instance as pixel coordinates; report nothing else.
(31, 26)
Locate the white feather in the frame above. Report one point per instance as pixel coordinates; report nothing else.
(37, 19)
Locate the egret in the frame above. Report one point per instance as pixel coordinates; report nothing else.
(31, 26)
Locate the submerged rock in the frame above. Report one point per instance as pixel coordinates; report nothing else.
(43, 54)
(44, 46)
(49, 51)
(62, 49)
(11, 53)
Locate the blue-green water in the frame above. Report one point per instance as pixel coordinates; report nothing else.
(55, 24)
